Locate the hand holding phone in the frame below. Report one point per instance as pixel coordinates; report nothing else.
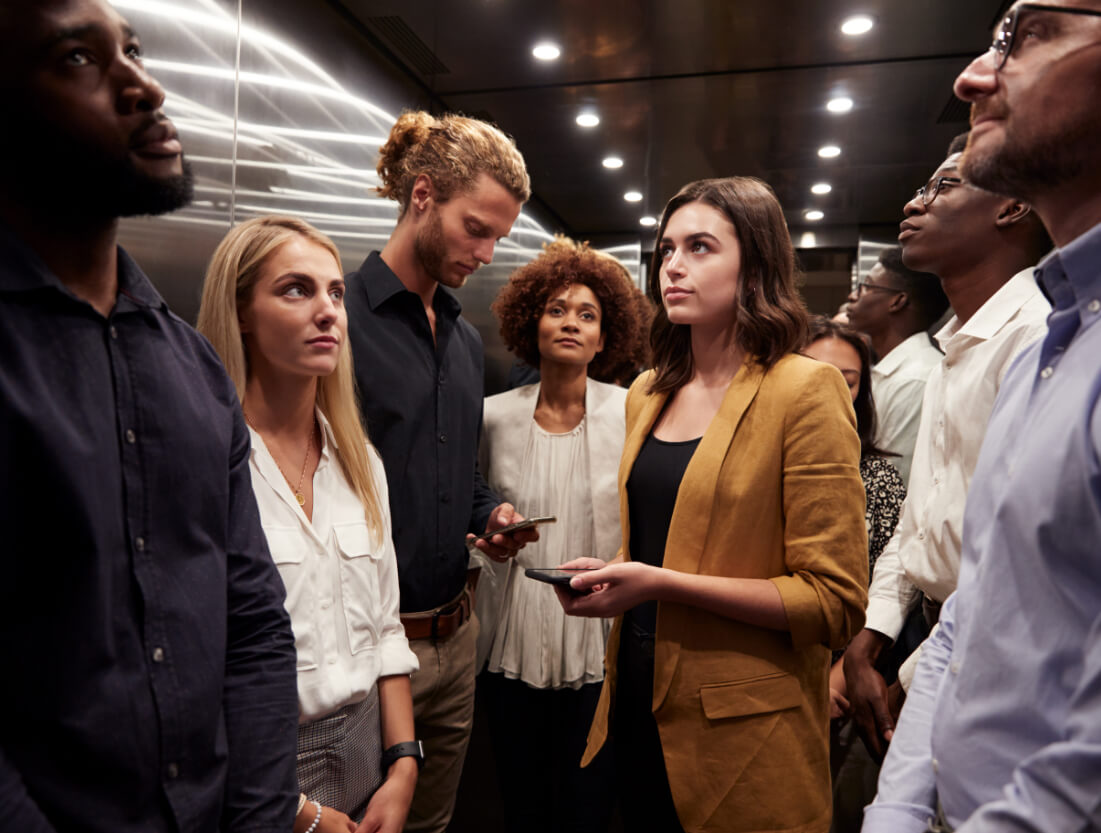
(510, 528)
(558, 576)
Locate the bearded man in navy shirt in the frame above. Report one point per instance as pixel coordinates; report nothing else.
(151, 666)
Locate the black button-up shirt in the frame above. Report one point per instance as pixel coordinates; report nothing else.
(150, 681)
(423, 405)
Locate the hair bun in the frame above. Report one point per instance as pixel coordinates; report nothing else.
(411, 129)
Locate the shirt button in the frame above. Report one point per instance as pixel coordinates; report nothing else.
(158, 655)
(131, 437)
(332, 660)
(325, 604)
(441, 375)
(936, 766)
(1092, 306)
(172, 771)
(443, 438)
(1046, 373)
(954, 668)
(139, 544)
(445, 499)
(115, 333)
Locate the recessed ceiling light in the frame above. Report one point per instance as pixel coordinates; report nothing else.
(546, 51)
(612, 162)
(588, 119)
(648, 221)
(814, 216)
(821, 188)
(858, 24)
(841, 104)
(829, 151)
(633, 196)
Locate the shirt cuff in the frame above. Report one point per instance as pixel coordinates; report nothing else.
(896, 818)
(885, 616)
(395, 656)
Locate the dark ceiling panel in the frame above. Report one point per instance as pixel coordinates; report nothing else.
(691, 89)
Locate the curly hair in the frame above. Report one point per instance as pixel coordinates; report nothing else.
(625, 311)
(452, 151)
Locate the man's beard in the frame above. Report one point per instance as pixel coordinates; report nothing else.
(1025, 166)
(90, 186)
(430, 250)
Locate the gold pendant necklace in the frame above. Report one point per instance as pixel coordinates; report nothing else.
(298, 495)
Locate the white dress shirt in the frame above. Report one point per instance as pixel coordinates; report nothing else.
(923, 555)
(898, 384)
(342, 581)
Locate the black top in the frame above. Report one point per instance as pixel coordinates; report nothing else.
(423, 406)
(150, 666)
(651, 495)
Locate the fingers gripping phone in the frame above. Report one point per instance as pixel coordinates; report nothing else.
(506, 530)
(558, 576)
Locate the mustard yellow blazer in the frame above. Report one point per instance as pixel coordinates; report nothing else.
(773, 492)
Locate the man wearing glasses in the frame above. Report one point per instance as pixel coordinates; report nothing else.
(895, 307)
(983, 247)
(1002, 728)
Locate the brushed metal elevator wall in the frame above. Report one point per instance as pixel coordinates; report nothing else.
(293, 127)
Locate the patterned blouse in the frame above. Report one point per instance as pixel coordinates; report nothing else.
(884, 492)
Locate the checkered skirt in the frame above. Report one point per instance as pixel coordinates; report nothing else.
(340, 757)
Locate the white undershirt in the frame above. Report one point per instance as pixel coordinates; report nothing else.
(342, 583)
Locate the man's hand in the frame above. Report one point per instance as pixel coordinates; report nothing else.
(388, 807)
(867, 692)
(504, 547)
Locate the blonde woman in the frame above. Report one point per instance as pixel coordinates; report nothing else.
(273, 307)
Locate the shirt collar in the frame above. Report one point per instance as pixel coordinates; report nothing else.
(1071, 276)
(902, 354)
(995, 312)
(22, 270)
(382, 284)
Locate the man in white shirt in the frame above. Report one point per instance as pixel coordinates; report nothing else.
(982, 246)
(895, 306)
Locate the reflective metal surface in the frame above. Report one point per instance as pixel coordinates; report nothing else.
(291, 123)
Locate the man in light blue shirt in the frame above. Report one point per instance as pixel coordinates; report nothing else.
(1002, 728)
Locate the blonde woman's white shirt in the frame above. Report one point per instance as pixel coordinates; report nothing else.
(341, 580)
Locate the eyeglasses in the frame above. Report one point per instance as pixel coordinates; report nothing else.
(1006, 36)
(928, 192)
(865, 286)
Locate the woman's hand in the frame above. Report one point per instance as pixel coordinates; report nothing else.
(610, 589)
(388, 807)
(839, 703)
(332, 821)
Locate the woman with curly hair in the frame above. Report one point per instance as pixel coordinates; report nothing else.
(744, 556)
(553, 448)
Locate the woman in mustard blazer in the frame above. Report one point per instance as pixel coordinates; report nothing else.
(744, 553)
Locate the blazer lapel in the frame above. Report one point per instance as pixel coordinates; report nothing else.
(693, 510)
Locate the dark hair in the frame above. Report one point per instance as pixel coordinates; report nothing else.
(923, 289)
(625, 312)
(959, 143)
(770, 319)
(821, 328)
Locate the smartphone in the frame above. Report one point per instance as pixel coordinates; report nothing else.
(505, 530)
(556, 575)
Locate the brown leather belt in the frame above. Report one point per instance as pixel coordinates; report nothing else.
(443, 621)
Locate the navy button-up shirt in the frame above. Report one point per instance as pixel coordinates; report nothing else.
(422, 401)
(150, 680)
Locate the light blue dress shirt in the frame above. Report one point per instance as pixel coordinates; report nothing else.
(1003, 721)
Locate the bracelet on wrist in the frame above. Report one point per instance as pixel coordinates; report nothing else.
(317, 819)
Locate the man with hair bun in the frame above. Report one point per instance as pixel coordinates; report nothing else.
(460, 184)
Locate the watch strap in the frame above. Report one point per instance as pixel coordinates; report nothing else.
(407, 749)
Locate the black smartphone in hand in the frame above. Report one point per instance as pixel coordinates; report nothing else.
(556, 575)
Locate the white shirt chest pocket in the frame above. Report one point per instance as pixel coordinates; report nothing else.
(288, 551)
(359, 584)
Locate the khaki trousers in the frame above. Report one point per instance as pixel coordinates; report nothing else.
(443, 713)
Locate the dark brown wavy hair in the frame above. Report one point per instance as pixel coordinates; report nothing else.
(864, 405)
(625, 312)
(770, 319)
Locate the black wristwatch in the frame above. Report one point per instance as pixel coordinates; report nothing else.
(408, 749)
